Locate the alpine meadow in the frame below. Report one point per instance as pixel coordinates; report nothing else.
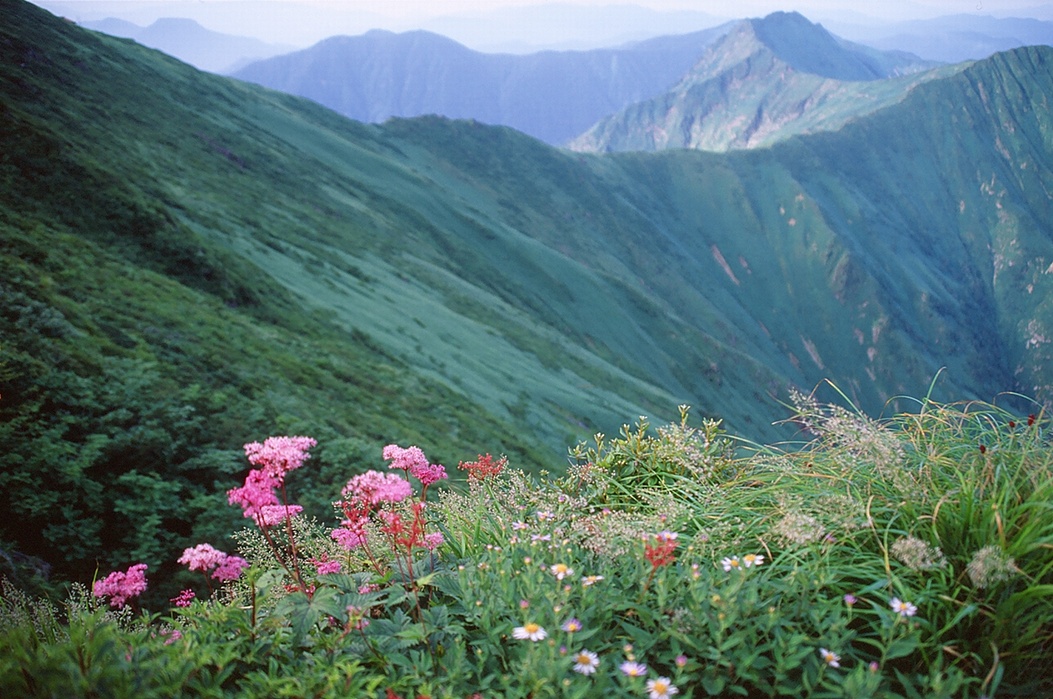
(727, 422)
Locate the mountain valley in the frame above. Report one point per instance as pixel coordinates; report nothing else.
(189, 262)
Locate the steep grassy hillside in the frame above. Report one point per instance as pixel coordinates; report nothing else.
(190, 263)
(765, 81)
(551, 95)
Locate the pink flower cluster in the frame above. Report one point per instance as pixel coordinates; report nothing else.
(366, 493)
(373, 487)
(119, 587)
(412, 461)
(279, 455)
(258, 498)
(363, 495)
(184, 598)
(204, 557)
(324, 566)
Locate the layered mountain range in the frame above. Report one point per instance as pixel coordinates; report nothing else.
(552, 95)
(189, 262)
(737, 85)
(192, 43)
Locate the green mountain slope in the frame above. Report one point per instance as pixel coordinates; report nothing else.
(190, 263)
(765, 81)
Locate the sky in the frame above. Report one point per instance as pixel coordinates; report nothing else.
(522, 25)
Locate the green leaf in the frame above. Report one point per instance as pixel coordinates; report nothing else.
(902, 647)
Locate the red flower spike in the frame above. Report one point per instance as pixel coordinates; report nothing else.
(484, 467)
(660, 553)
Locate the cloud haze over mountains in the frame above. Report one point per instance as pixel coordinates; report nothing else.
(515, 26)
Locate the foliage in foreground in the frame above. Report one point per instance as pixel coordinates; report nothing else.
(901, 559)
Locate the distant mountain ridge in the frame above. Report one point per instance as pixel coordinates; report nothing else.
(809, 48)
(191, 43)
(557, 96)
(550, 95)
(764, 81)
(955, 38)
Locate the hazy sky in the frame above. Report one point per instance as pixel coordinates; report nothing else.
(506, 23)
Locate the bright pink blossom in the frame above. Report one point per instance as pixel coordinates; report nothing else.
(326, 567)
(120, 586)
(404, 459)
(429, 473)
(258, 492)
(433, 540)
(202, 557)
(279, 455)
(412, 461)
(184, 598)
(374, 487)
(230, 568)
(349, 538)
(270, 515)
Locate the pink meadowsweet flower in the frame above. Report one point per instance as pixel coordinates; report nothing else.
(183, 599)
(257, 492)
(433, 540)
(405, 459)
(414, 463)
(202, 557)
(270, 515)
(428, 473)
(349, 537)
(279, 455)
(374, 487)
(326, 567)
(230, 568)
(120, 586)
